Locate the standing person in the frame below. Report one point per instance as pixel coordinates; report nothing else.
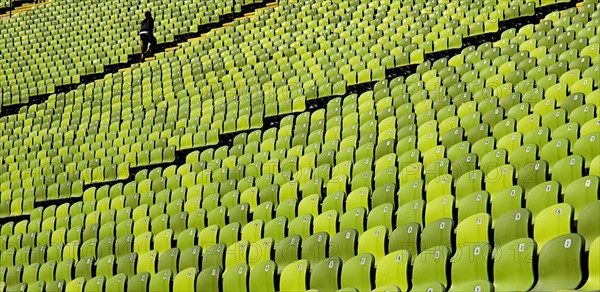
(147, 34)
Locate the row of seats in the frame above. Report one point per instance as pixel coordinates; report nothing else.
(142, 235)
(512, 265)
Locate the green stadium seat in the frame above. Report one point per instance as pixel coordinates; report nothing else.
(262, 277)
(581, 192)
(470, 266)
(394, 269)
(315, 248)
(438, 233)
(288, 250)
(357, 272)
(511, 274)
(587, 225)
(435, 261)
(294, 276)
(374, 241)
(140, 282)
(559, 265)
(554, 220)
(209, 279)
(325, 274)
(185, 280)
(592, 282)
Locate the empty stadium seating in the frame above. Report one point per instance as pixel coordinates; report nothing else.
(318, 145)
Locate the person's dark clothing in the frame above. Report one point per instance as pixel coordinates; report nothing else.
(147, 26)
(148, 39)
(147, 35)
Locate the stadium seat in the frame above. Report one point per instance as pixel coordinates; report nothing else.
(393, 269)
(511, 274)
(325, 274)
(405, 237)
(430, 268)
(438, 233)
(294, 276)
(262, 277)
(552, 222)
(470, 264)
(357, 272)
(559, 265)
(587, 225)
(593, 283)
(511, 226)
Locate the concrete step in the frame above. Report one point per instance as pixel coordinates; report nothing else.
(195, 39)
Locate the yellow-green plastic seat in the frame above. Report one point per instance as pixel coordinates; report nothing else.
(470, 263)
(588, 224)
(288, 250)
(185, 280)
(513, 265)
(476, 228)
(294, 276)
(325, 274)
(357, 272)
(551, 222)
(512, 225)
(430, 267)
(373, 241)
(582, 192)
(96, 284)
(438, 233)
(593, 281)
(116, 283)
(393, 269)
(315, 247)
(262, 277)
(543, 195)
(209, 279)
(235, 278)
(559, 264)
(76, 284)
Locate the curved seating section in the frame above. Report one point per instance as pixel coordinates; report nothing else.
(210, 87)
(477, 172)
(57, 43)
(407, 30)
